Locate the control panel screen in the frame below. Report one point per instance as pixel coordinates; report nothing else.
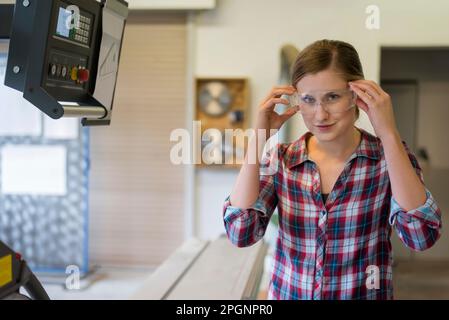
(77, 29)
(64, 22)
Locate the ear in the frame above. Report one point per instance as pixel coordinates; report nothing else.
(357, 113)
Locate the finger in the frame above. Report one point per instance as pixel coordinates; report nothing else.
(366, 88)
(369, 86)
(365, 97)
(279, 91)
(362, 105)
(271, 103)
(379, 90)
(289, 113)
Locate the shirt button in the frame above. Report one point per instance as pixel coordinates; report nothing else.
(260, 231)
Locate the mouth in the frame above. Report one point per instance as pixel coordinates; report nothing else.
(325, 127)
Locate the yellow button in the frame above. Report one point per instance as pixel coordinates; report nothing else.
(5, 270)
(74, 74)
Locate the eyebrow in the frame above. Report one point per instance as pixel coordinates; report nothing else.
(326, 92)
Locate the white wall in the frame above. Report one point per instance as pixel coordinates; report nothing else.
(243, 38)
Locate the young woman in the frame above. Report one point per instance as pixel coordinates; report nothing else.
(339, 190)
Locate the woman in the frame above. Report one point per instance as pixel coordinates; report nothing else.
(339, 190)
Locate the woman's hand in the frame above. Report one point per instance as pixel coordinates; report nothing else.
(377, 105)
(269, 119)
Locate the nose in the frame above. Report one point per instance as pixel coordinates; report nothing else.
(320, 113)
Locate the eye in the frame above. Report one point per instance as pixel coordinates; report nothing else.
(308, 99)
(333, 97)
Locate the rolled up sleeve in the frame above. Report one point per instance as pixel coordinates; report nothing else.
(245, 226)
(419, 228)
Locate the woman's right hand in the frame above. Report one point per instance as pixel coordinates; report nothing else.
(269, 119)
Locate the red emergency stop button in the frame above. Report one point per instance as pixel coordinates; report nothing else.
(83, 75)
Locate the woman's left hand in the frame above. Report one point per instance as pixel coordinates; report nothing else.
(377, 105)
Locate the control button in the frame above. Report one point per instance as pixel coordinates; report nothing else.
(64, 72)
(53, 69)
(83, 75)
(74, 74)
(58, 70)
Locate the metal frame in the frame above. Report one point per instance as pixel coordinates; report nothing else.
(25, 71)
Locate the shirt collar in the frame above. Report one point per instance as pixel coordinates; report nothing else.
(297, 151)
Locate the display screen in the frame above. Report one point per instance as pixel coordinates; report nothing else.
(64, 21)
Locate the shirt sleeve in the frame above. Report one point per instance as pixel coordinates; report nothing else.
(245, 226)
(419, 228)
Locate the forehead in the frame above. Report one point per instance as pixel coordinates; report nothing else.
(325, 80)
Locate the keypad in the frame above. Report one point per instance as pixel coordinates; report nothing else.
(82, 33)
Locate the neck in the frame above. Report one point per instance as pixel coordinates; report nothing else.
(341, 147)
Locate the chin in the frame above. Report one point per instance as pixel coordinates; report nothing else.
(328, 136)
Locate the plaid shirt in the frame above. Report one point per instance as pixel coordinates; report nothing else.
(339, 249)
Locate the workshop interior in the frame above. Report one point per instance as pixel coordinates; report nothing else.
(95, 95)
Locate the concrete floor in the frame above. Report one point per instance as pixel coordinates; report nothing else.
(103, 284)
(421, 280)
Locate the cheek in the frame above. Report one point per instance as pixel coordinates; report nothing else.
(347, 121)
(308, 121)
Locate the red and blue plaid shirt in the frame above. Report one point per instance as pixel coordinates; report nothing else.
(339, 249)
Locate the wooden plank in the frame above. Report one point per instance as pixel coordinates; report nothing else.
(162, 281)
(222, 272)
